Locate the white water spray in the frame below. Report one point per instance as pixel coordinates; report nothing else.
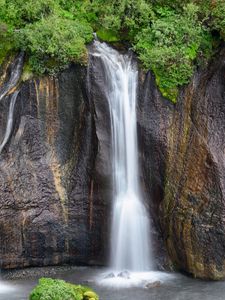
(14, 77)
(130, 246)
(9, 125)
(15, 74)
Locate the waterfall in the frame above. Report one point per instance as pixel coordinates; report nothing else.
(15, 74)
(16, 68)
(130, 242)
(9, 125)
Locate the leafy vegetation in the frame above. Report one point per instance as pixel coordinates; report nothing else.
(170, 37)
(50, 35)
(55, 289)
(54, 42)
(171, 45)
(218, 16)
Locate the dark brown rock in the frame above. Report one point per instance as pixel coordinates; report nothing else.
(182, 152)
(45, 175)
(55, 173)
(153, 284)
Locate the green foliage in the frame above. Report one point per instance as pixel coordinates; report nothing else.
(108, 35)
(170, 46)
(18, 12)
(218, 16)
(6, 44)
(27, 72)
(51, 36)
(54, 42)
(55, 289)
(171, 38)
(124, 17)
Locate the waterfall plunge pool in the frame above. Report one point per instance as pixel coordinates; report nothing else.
(17, 285)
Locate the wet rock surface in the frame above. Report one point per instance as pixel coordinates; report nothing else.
(124, 274)
(110, 275)
(182, 153)
(37, 272)
(46, 214)
(153, 284)
(55, 188)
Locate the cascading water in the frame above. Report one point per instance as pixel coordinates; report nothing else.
(130, 246)
(9, 124)
(17, 67)
(16, 70)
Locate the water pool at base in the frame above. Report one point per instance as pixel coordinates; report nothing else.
(173, 286)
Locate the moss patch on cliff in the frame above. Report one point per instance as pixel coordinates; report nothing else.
(55, 289)
(171, 45)
(170, 37)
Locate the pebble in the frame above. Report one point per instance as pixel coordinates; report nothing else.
(153, 284)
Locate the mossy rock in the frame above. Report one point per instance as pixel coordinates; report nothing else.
(56, 289)
(27, 72)
(109, 36)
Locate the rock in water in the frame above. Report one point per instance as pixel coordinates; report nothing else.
(154, 284)
(124, 274)
(110, 275)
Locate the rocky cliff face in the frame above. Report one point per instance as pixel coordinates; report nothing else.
(183, 160)
(55, 189)
(47, 213)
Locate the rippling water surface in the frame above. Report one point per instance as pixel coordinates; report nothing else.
(173, 287)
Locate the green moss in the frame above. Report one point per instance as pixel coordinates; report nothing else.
(3, 54)
(171, 94)
(109, 36)
(55, 289)
(27, 72)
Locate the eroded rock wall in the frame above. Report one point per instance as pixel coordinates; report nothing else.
(182, 149)
(55, 173)
(47, 211)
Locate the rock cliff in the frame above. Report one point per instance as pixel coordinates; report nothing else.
(55, 170)
(47, 214)
(183, 160)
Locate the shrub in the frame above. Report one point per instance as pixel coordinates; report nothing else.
(18, 12)
(170, 37)
(124, 18)
(170, 47)
(50, 35)
(55, 289)
(53, 42)
(218, 16)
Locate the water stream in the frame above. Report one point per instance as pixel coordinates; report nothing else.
(176, 287)
(15, 74)
(9, 125)
(16, 68)
(130, 245)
